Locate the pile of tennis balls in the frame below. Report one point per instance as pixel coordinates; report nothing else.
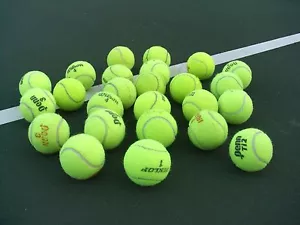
(147, 162)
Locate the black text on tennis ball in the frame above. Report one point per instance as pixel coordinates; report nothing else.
(147, 162)
(251, 150)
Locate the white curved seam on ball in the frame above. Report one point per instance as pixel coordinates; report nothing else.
(199, 61)
(83, 75)
(97, 106)
(195, 137)
(121, 55)
(147, 54)
(29, 77)
(153, 67)
(157, 81)
(69, 94)
(50, 97)
(167, 56)
(30, 134)
(240, 109)
(158, 117)
(189, 75)
(81, 157)
(155, 100)
(254, 147)
(150, 149)
(105, 124)
(224, 78)
(114, 86)
(30, 110)
(212, 116)
(111, 70)
(141, 178)
(57, 133)
(192, 103)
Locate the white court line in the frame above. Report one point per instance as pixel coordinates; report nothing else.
(13, 114)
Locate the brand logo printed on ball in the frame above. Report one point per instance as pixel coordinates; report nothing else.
(108, 97)
(73, 67)
(43, 135)
(198, 118)
(114, 116)
(38, 102)
(159, 169)
(228, 67)
(240, 146)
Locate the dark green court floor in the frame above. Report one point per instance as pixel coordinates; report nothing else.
(203, 187)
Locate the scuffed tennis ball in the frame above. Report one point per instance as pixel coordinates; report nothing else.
(182, 85)
(225, 81)
(251, 150)
(207, 130)
(147, 162)
(157, 67)
(124, 89)
(105, 100)
(69, 94)
(48, 132)
(201, 65)
(235, 106)
(198, 100)
(151, 100)
(121, 55)
(241, 69)
(34, 79)
(82, 156)
(82, 71)
(116, 70)
(107, 126)
(157, 52)
(36, 101)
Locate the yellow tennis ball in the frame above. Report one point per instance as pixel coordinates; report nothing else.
(235, 106)
(107, 126)
(48, 132)
(207, 130)
(149, 82)
(116, 70)
(251, 150)
(198, 100)
(147, 162)
(121, 55)
(225, 81)
(69, 94)
(82, 156)
(183, 84)
(105, 100)
(157, 67)
(123, 88)
(36, 101)
(157, 52)
(201, 65)
(82, 71)
(157, 124)
(34, 79)
(241, 69)
(151, 100)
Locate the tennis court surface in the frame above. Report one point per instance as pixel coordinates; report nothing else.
(202, 187)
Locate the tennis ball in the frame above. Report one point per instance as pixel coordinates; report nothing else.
(157, 124)
(235, 106)
(121, 55)
(225, 81)
(123, 88)
(36, 101)
(48, 132)
(69, 94)
(147, 162)
(106, 100)
(107, 126)
(241, 69)
(82, 71)
(201, 65)
(149, 82)
(251, 150)
(157, 52)
(198, 100)
(151, 100)
(157, 67)
(116, 70)
(34, 79)
(82, 156)
(207, 130)
(183, 84)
